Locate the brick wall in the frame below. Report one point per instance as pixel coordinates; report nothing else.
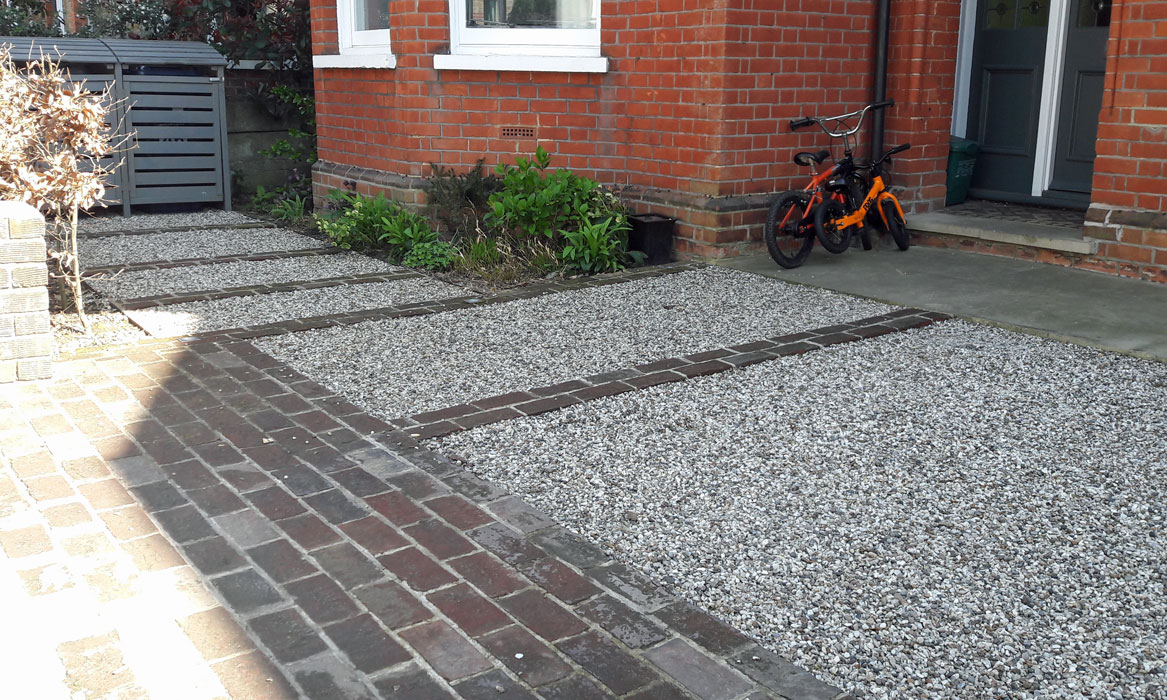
(1127, 206)
(690, 121)
(25, 338)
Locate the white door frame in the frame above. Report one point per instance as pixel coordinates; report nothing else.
(1051, 85)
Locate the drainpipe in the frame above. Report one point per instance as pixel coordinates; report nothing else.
(879, 85)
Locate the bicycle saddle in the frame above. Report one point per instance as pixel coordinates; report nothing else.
(806, 157)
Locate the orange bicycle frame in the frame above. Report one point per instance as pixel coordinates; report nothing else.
(877, 194)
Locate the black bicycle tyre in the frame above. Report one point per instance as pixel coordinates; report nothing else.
(896, 225)
(835, 240)
(774, 218)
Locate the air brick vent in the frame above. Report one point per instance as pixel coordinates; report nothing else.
(518, 132)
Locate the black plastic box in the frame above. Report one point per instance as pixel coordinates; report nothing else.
(652, 234)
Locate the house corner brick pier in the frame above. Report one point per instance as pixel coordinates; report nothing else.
(26, 343)
(214, 519)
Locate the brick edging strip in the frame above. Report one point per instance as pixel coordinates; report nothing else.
(190, 262)
(150, 302)
(173, 229)
(532, 402)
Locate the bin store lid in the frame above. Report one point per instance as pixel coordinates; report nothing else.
(138, 52)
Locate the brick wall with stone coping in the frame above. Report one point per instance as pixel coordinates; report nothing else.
(26, 342)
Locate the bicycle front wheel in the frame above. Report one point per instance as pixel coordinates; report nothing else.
(789, 234)
(832, 237)
(895, 224)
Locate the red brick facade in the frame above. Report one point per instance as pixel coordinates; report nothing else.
(1127, 212)
(691, 118)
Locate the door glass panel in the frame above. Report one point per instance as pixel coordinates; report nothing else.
(1034, 13)
(1094, 13)
(1001, 14)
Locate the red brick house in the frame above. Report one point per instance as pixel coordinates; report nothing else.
(683, 105)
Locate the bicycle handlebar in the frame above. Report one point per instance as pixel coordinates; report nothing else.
(840, 120)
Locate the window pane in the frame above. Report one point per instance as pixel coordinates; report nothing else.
(1094, 13)
(1035, 13)
(370, 14)
(1001, 14)
(556, 14)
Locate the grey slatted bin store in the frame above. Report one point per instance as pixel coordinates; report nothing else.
(171, 104)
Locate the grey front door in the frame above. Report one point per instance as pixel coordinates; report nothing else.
(1005, 94)
(1081, 99)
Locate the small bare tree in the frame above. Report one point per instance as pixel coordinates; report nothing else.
(53, 138)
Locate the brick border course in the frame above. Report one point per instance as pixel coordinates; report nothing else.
(494, 409)
(115, 268)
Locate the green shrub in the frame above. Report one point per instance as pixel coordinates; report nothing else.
(374, 223)
(599, 246)
(459, 201)
(358, 221)
(431, 255)
(290, 209)
(535, 203)
(402, 230)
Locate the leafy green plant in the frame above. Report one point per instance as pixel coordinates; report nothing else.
(459, 201)
(357, 221)
(431, 255)
(533, 202)
(290, 209)
(263, 198)
(27, 18)
(599, 246)
(403, 230)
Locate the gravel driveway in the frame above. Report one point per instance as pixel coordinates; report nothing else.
(209, 243)
(431, 362)
(954, 512)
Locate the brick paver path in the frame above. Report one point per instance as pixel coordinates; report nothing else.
(197, 520)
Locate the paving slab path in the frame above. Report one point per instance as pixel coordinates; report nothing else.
(275, 541)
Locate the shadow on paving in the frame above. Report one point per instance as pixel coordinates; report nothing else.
(344, 560)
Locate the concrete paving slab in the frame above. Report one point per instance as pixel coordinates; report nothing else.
(1111, 313)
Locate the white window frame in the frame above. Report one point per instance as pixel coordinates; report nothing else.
(496, 48)
(358, 49)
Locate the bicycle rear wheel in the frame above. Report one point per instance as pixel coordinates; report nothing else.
(833, 238)
(895, 224)
(789, 233)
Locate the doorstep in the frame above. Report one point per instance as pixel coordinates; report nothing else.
(1025, 234)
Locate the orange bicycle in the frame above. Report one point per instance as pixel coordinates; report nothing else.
(849, 208)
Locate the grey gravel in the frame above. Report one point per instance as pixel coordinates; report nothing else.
(108, 221)
(954, 512)
(143, 283)
(445, 359)
(237, 312)
(190, 244)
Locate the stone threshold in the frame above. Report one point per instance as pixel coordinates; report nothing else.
(150, 302)
(531, 402)
(173, 229)
(1018, 233)
(191, 262)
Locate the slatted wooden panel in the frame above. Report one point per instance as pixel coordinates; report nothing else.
(95, 83)
(169, 110)
(179, 145)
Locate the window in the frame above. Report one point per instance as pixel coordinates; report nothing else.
(506, 34)
(362, 33)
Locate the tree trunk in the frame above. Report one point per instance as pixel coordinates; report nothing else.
(75, 274)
